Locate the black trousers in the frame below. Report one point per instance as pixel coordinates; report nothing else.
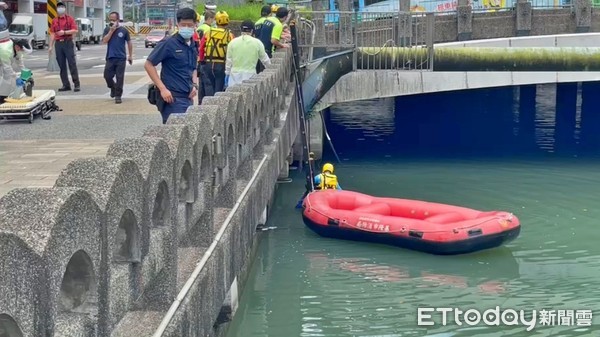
(65, 54)
(259, 66)
(115, 68)
(201, 87)
(213, 77)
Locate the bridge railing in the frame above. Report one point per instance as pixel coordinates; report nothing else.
(435, 6)
(322, 33)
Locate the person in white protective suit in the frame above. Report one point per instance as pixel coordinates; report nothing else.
(243, 53)
(8, 76)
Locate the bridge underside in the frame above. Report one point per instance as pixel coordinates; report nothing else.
(370, 84)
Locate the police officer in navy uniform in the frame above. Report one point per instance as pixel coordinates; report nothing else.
(178, 79)
(63, 29)
(116, 37)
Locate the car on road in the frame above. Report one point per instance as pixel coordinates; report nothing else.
(155, 36)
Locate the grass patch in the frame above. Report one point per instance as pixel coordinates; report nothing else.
(249, 11)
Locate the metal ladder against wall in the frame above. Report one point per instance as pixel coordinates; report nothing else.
(300, 101)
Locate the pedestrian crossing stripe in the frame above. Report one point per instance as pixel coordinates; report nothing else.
(52, 13)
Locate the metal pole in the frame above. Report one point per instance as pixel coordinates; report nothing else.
(300, 100)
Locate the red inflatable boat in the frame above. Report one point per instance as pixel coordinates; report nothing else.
(413, 224)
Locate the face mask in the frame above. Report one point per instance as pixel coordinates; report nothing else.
(61, 10)
(186, 32)
(113, 23)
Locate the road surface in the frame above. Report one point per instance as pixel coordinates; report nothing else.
(33, 155)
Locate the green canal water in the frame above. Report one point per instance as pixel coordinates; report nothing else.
(301, 284)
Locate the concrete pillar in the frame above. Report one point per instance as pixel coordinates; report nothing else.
(315, 127)
(527, 111)
(345, 23)
(298, 152)
(583, 15)
(404, 23)
(464, 15)
(117, 5)
(284, 172)
(590, 118)
(318, 20)
(566, 111)
(79, 12)
(523, 17)
(25, 6)
(504, 117)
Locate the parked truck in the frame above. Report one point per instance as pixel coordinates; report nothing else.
(31, 27)
(91, 30)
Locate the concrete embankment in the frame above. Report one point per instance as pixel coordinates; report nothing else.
(154, 238)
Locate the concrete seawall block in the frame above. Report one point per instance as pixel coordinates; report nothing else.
(153, 159)
(181, 145)
(58, 230)
(116, 186)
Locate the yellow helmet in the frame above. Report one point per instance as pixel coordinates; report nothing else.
(222, 18)
(328, 167)
(274, 9)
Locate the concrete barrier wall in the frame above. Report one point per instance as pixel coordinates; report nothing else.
(106, 251)
(392, 83)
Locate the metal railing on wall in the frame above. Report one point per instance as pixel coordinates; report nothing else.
(424, 6)
(382, 40)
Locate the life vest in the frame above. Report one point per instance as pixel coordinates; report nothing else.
(328, 181)
(202, 29)
(217, 40)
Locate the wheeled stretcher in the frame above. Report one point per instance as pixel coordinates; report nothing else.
(41, 102)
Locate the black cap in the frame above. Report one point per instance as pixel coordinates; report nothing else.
(59, 4)
(247, 26)
(282, 12)
(265, 10)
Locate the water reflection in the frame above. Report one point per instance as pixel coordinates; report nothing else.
(423, 271)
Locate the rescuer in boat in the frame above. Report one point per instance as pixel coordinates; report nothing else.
(327, 180)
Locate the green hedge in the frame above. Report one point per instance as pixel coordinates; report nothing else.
(249, 11)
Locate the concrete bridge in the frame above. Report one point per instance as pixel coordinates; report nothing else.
(151, 239)
(380, 83)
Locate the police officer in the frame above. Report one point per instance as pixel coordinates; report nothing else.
(62, 31)
(178, 80)
(116, 37)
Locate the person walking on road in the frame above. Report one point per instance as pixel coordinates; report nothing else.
(62, 31)
(115, 37)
